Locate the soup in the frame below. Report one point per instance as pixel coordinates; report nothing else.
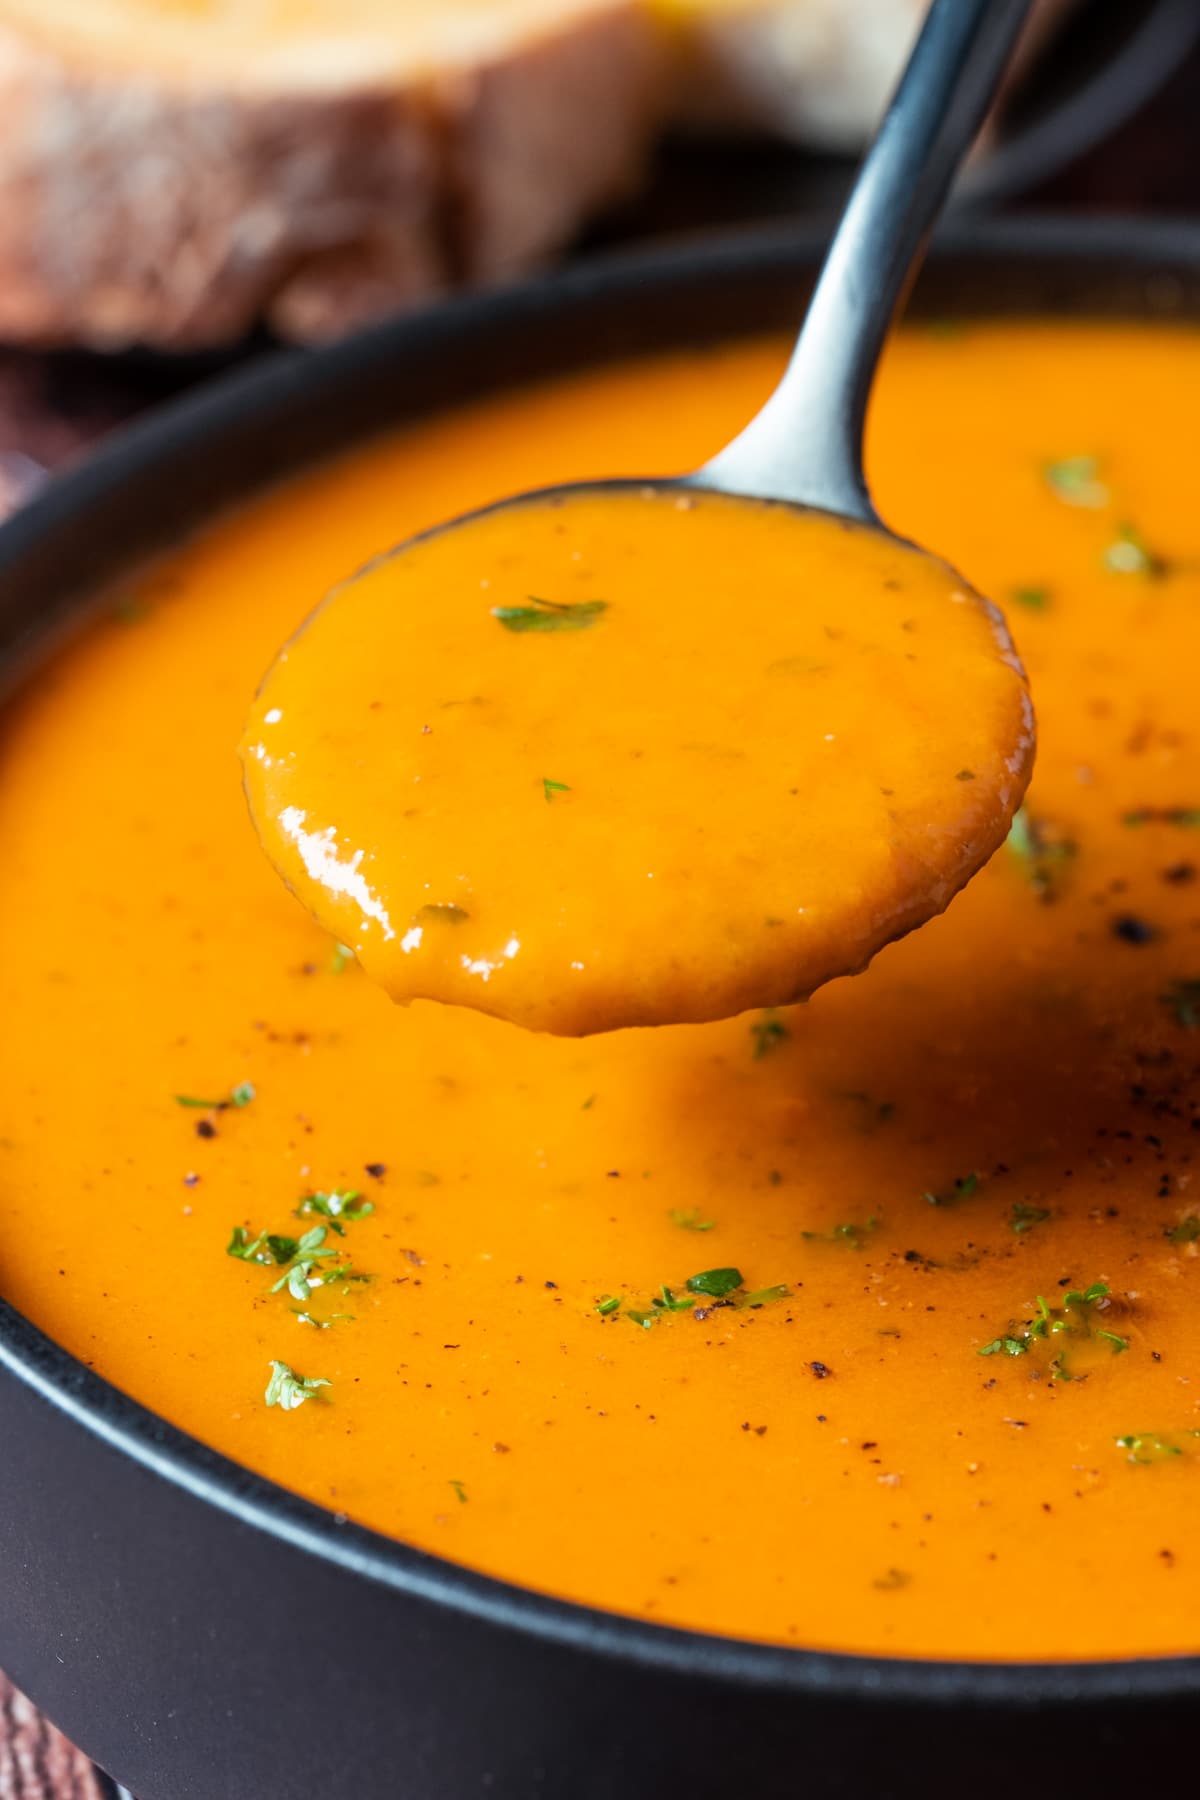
(779, 740)
(867, 1324)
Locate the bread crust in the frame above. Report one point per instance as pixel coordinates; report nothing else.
(139, 208)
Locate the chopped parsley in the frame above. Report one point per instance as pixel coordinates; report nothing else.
(550, 788)
(709, 1284)
(1034, 599)
(1025, 1216)
(550, 615)
(249, 1249)
(1163, 815)
(1006, 1346)
(1076, 479)
(241, 1095)
(1071, 1318)
(764, 1296)
(1129, 554)
(460, 1492)
(1151, 1446)
(307, 1253)
(768, 1033)
(689, 1219)
(715, 1283)
(1183, 999)
(1187, 1230)
(853, 1235)
(287, 1390)
(964, 1187)
(342, 957)
(1043, 849)
(337, 1206)
(666, 1301)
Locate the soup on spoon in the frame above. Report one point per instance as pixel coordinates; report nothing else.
(632, 753)
(623, 757)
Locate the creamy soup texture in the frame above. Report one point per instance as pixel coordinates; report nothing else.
(869, 1323)
(777, 741)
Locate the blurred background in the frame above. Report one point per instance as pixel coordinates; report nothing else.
(185, 183)
(188, 183)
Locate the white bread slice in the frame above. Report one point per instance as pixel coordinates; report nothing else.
(817, 72)
(173, 170)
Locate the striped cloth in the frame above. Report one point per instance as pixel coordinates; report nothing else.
(37, 1762)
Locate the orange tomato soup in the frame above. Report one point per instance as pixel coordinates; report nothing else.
(871, 1323)
(778, 741)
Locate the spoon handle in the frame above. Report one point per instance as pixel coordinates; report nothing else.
(806, 443)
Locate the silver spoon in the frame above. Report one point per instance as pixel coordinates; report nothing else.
(805, 445)
(801, 453)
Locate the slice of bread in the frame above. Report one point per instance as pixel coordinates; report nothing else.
(172, 171)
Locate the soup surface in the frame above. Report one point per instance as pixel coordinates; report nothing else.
(777, 742)
(935, 1392)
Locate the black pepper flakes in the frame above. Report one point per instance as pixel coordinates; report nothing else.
(1132, 930)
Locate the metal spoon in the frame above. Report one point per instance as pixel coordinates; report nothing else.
(323, 803)
(806, 443)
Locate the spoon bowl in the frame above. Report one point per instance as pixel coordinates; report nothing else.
(598, 671)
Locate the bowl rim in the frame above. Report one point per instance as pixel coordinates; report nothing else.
(168, 1453)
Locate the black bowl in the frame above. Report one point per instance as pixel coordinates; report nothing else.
(1105, 65)
(207, 1636)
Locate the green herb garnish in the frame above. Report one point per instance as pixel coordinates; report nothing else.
(1129, 554)
(306, 1253)
(550, 615)
(1076, 479)
(338, 1205)
(1149, 1446)
(764, 1296)
(1042, 849)
(715, 1283)
(853, 1235)
(666, 1301)
(550, 788)
(643, 1320)
(608, 1303)
(1187, 1230)
(241, 1095)
(342, 957)
(1183, 998)
(963, 1188)
(1034, 599)
(287, 1390)
(1006, 1346)
(1026, 1216)
(460, 1492)
(1163, 815)
(688, 1219)
(1052, 1322)
(768, 1033)
(247, 1248)
(1099, 1290)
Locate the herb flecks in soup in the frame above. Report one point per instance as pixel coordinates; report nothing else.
(772, 741)
(778, 1326)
